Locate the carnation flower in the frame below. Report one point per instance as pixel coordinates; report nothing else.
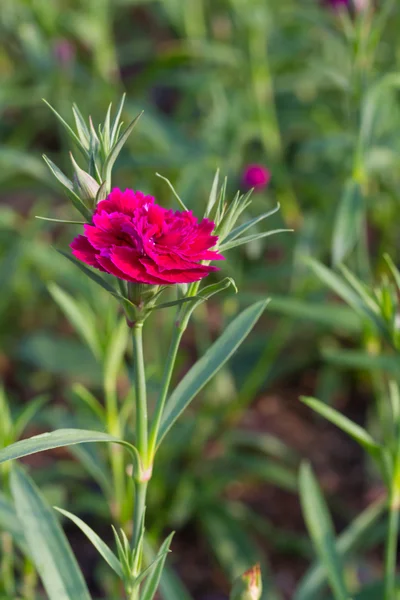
(256, 176)
(139, 241)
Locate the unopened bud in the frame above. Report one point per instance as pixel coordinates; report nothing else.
(248, 586)
(86, 187)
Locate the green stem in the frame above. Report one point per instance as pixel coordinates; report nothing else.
(116, 453)
(7, 565)
(393, 530)
(181, 323)
(140, 392)
(138, 516)
(169, 368)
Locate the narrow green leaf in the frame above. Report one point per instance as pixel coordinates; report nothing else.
(114, 356)
(250, 238)
(360, 435)
(354, 359)
(361, 289)
(90, 400)
(28, 413)
(10, 523)
(93, 276)
(81, 127)
(68, 129)
(106, 131)
(116, 149)
(209, 364)
(97, 542)
(57, 439)
(153, 580)
(393, 269)
(354, 537)
(348, 223)
(60, 220)
(171, 586)
(342, 289)
(116, 123)
(245, 226)
(181, 202)
(178, 302)
(213, 194)
(331, 315)
(79, 316)
(48, 546)
(68, 188)
(210, 290)
(320, 527)
(58, 174)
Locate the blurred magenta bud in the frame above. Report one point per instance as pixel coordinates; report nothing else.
(361, 5)
(357, 5)
(256, 176)
(64, 52)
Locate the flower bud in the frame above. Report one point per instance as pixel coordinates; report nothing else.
(86, 187)
(248, 586)
(257, 177)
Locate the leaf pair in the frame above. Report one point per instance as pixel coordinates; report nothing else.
(51, 553)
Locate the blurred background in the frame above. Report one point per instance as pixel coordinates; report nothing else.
(297, 98)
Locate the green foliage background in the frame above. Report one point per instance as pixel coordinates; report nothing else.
(310, 93)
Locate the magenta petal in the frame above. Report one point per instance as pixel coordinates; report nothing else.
(176, 275)
(137, 240)
(127, 261)
(84, 251)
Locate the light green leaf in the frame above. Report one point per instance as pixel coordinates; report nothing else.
(328, 314)
(116, 149)
(63, 179)
(171, 586)
(353, 538)
(81, 127)
(10, 523)
(250, 238)
(213, 194)
(320, 527)
(393, 269)
(93, 276)
(97, 542)
(245, 226)
(28, 413)
(360, 435)
(68, 129)
(47, 543)
(116, 122)
(348, 223)
(90, 400)
(114, 356)
(58, 439)
(342, 289)
(60, 220)
(68, 188)
(154, 571)
(182, 204)
(79, 316)
(209, 364)
(354, 359)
